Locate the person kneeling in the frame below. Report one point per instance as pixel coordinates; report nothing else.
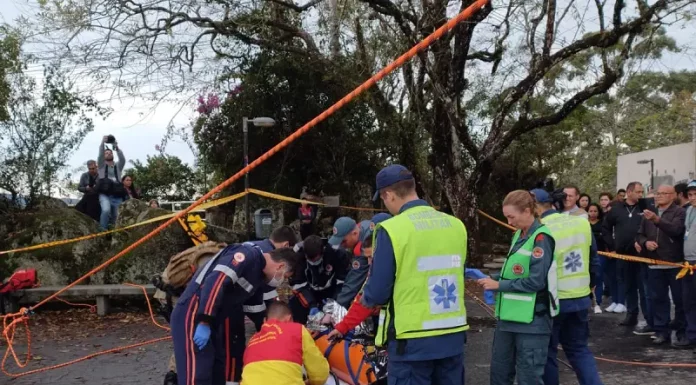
(275, 355)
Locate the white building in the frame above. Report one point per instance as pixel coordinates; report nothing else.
(672, 165)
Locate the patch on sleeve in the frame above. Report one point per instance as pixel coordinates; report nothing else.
(356, 265)
(538, 252)
(539, 238)
(329, 268)
(238, 258)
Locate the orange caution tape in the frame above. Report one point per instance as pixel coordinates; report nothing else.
(295, 200)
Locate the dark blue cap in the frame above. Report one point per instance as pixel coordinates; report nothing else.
(541, 196)
(691, 185)
(377, 218)
(391, 175)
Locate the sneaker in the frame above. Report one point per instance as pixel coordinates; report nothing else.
(683, 343)
(644, 331)
(660, 339)
(620, 308)
(611, 308)
(597, 309)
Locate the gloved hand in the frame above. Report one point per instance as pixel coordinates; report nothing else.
(313, 311)
(202, 335)
(474, 273)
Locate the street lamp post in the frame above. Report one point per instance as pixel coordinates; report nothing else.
(652, 170)
(257, 122)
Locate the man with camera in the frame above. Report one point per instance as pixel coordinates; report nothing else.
(111, 191)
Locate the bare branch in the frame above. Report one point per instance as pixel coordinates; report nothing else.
(295, 7)
(550, 20)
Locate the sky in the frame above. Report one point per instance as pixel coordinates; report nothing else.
(139, 125)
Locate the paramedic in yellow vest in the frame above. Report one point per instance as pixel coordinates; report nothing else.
(526, 299)
(577, 264)
(417, 276)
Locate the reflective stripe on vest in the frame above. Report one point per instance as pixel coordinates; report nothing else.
(573, 237)
(430, 251)
(521, 307)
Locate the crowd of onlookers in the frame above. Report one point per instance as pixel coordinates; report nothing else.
(656, 226)
(105, 186)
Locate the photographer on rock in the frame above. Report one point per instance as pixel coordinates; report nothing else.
(111, 191)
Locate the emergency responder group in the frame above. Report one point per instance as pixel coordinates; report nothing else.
(416, 261)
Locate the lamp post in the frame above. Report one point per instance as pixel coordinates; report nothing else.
(257, 122)
(652, 170)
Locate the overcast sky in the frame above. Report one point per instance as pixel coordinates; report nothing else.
(139, 125)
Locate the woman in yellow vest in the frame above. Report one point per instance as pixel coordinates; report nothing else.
(526, 298)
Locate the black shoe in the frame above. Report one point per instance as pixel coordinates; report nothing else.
(644, 331)
(170, 378)
(630, 320)
(660, 339)
(683, 343)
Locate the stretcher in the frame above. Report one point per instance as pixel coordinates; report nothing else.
(352, 361)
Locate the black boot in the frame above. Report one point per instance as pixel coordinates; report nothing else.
(170, 378)
(630, 320)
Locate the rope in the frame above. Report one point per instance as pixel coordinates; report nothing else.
(22, 316)
(9, 331)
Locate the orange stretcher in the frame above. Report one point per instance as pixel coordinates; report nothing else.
(347, 361)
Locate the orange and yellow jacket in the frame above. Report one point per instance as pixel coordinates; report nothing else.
(275, 356)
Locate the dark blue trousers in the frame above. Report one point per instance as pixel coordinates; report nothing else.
(635, 275)
(445, 371)
(614, 283)
(689, 299)
(571, 330)
(660, 283)
(220, 361)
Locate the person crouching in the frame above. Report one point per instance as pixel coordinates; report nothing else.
(276, 354)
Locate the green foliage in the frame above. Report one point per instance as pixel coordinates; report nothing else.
(9, 63)
(41, 132)
(164, 177)
(335, 157)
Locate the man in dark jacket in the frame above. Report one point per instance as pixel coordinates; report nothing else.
(619, 230)
(661, 237)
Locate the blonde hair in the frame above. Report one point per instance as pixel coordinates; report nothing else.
(521, 200)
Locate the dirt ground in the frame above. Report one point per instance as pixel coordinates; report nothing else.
(58, 336)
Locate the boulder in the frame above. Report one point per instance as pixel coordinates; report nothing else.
(57, 265)
(150, 257)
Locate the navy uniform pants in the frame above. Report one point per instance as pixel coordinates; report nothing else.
(660, 283)
(445, 371)
(572, 331)
(220, 361)
(518, 354)
(689, 299)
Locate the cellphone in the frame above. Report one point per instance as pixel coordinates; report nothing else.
(646, 204)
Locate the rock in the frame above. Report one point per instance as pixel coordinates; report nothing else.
(47, 203)
(499, 260)
(493, 266)
(150, 257)
(57, 265)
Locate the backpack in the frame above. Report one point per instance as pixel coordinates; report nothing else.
(20, 279)
(172, 282)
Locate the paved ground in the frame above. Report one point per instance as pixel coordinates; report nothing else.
(61, 336)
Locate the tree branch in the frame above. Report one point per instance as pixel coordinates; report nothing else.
(295, 7)
(550, 24)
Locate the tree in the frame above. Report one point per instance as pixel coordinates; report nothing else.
(504, 73)
(41, 132)
(9, 64)
(164, 177)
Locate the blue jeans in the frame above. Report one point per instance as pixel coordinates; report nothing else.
(109, 210)
(445, 371)
(614, 282)
(599, 288)
(660, 283)
(571, 330)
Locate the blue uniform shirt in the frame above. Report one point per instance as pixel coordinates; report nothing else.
(584, 303)
(226, 282)
(378, 291)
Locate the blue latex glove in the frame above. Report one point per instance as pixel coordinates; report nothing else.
(488, 295)
(313, 311)
(201, 336)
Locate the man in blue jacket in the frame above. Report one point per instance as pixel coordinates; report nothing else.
(417, 278)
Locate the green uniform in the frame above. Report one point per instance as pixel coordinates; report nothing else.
(520, 346)
(430, 252)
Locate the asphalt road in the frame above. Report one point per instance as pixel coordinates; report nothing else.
(57, 338)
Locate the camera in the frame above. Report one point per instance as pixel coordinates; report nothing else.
(557, 195)
(110, 139)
